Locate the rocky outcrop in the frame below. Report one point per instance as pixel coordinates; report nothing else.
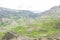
(14, 36)
(10, 35)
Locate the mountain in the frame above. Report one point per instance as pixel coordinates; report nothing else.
(23, 24)
(51, 18)
(9, 16)
(10, 13)
(54, 12)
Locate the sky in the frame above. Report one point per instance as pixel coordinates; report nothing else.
(33, 5)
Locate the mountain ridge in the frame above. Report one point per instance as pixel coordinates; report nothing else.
(5, 12)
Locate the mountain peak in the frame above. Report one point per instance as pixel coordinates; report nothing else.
(53, 12)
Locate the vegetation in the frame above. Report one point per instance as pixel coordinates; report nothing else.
(43, 26)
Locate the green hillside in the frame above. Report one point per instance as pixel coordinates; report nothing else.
(38, 26)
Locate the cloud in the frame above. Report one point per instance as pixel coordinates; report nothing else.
(29, 4)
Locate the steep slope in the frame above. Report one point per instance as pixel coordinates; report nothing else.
(50, 19)
(54, 12)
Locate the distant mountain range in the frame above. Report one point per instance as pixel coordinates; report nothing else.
(9, 16)
(10, 13)
(54, 12)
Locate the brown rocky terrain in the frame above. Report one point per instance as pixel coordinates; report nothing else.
(14, 36)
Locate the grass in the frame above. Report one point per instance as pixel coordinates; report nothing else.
(2, 35)
(48, 25)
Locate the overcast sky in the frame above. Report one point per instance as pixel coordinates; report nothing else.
(34, 5)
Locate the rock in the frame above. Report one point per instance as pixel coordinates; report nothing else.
(10, 35)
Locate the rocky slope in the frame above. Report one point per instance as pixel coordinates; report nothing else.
(54, 12)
